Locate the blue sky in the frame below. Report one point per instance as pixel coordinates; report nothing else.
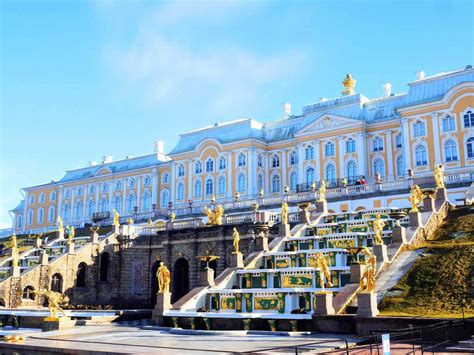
(83, 79)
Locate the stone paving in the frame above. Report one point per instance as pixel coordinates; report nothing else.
(119, 339)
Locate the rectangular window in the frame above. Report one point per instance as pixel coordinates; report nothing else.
(398, 141)
(419, 129)
(448, 124)
(350, 146)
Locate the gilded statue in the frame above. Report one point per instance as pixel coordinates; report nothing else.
(367, 281)
(14, 243)
(15, 252)
(71, 233)
(349, 85)
(284, 213)
(236, 239)
(164, 278)
(215, 218)
(378, 227)
(439, 176)
(416, 196)
(322, 192)
(55, 299)
(130, 221)
(324, 268)
(59, 223)
(116, 218)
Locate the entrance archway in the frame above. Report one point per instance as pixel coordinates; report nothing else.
(180, 279)
(57, 283)
(154, 282)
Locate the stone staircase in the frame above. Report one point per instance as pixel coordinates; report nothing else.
(464, 346)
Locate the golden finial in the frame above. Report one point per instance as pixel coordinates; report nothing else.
(349, 85)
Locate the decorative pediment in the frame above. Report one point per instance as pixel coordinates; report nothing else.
(328, 122)
(103, 171)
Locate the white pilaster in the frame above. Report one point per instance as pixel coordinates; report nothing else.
(390, 162)
(154, 186)
(284, 173)
(230, 168)
(73, 203)
(301, 159)
(25, 209)
(340, 147)
(97, 194)
(190, 179)
(59, 198)
(436, 139)
(172, 182)
(266, 164)
(361, 154)
(139, 193)
(406, 144)
(85, 191)
(124, 196)
(317, 148)
(111, 194)
(251, 172)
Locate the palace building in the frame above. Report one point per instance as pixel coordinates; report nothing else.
(339, 140)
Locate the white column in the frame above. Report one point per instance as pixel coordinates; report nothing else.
(25, 209)
(362, 154)
(406, 144)
(436, 139)
(317, 172)
(190, 179)
(111, 194)
(172, 182)
(266, 164)
(59, 199)
(390, 162)
(251, 172)
(340, 146)
(139, 193)
(230, 169)
(301, 164)
(124, 196)
(154, 186)
(84, 203)
(284, 160)
(72, 215)
(97, 190)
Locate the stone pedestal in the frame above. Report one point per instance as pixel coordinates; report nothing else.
(71, 248)
(238, 259)
(429, 204)
(380, 252)
(261, 243)
(357, 269)
(59, 323)
(206, 277)
(38, 242)
(399, 234)
(16, 271)
(441, 195)
(305, 216)
(44, 258)
(322, 207)
(367, 304)
(60, 233)
(163, 304)
(95, 238)
(324, 303)
(415, 219)
(284, 230)
(169, 225)
(116, 229)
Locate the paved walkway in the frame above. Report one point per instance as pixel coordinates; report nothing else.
(117, 339)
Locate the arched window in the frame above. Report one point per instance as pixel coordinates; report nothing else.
(275, 183)
(400, 166)
(421, 157)
(351, 172)
(293, 181)
(66, 211)
(241, 183)
(329, 149)
(209, 187)
(118, 185)
(103, 205)
(221, 185)
(309, 176)
(131, 203)
(260, 182)
(147, 181)
(164, 178)
(209, 165)
(132, 183)
(90, 208)
(66, 193)
(81, 275)
(91, 189)
(242, 160)
(275, 161)
(350, 146)
(470, 147)
(105, 187)
(448, 124)
(379, 167)
(165, 198)
(198, 167)
(32, 199)
(52, 196)
(309, 152)
(117, 203)
(450, 151)
(78, 210)
(180, 191)
(198, 188)
(468, 119)
(222, 163)
(51, 214)
(146, 201)
(29, 216)
(19, 221)
(41, 198)
(40, 216)
(260, 161)
(79, 191)
(29, 293)
(104, 267)
(57, 283)
(293, 158)
(330, 173)
(181, 170)
(419, 128)
(377, 144)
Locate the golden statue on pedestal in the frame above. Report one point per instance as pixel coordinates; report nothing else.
(284, 213)
(15, 252)
(367, 281)
(349, 85)
(322, 192)
(439, 176)
(59, 223)
(416, 196)
(116, 221)
(236, 240)
(130, 221)
(378, 227)
(55, 299)
(164, 278)
(70, 234)
(215, 218)
(324, 270)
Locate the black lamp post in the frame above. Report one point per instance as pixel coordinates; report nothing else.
(190, 206)
(135, 212)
